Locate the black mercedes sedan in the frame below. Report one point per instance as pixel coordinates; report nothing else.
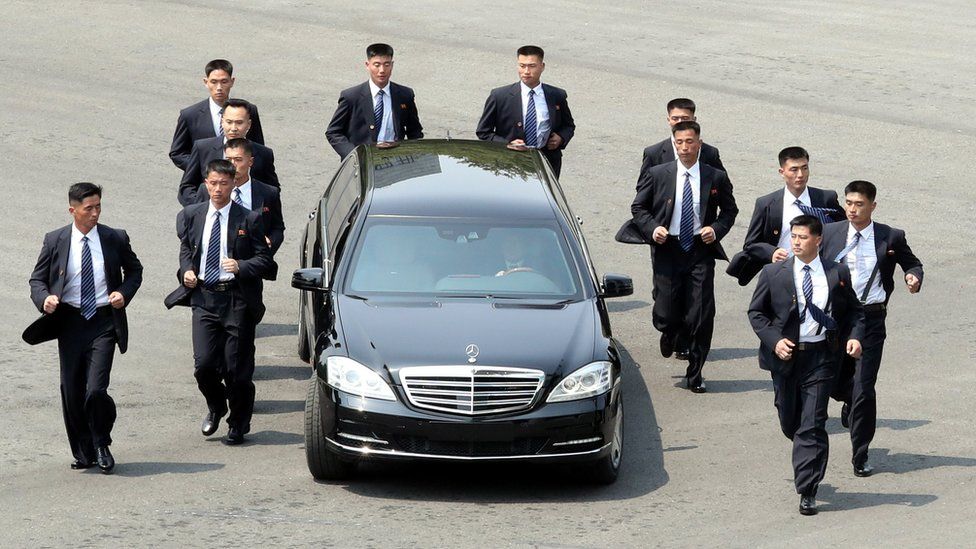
(451, 312)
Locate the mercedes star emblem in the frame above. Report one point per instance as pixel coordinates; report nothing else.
(472, 352)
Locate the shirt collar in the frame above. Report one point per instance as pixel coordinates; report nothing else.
(224, 212)
(77, 235)
(246, 187)
(695, 170)
(866, 232)
(214, 107)
(374, 89)
(525, 89)
(815, 266)
(804, 196)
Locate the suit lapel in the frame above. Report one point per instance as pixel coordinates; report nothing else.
(669, 191)
(199, 221)
(547, 91)
(233, 224)
(515, 100)
(368, 117)
(705, 190)
(64, 251)
(395, 106)
(880, 243)
(257, 197)
(833, 280)
(206, 119)
(776, 211)
(789, 284)
(110, 257)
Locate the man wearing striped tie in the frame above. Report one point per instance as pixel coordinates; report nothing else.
(529, 114)
(768, 237)
(871, 250)
(806, 316)
(85, 276)
(223, 258)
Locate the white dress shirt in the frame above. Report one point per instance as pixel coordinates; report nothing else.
(72, 282)
(791, 211)
(205, 244)
(245, 192)
(541, 112)
(809, 328)
(679, 192)
(386, 132)
(861, 261)
(215, 116)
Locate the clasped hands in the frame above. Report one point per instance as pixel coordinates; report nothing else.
(784, 348)
(661, 234)
(190, 279)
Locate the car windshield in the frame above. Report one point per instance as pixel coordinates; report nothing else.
(453, 258)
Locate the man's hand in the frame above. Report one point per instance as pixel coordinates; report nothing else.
(554, 142)
(780, 255)
(914, 284)
(517, 145)
(660, 234)
(230, 265)
(854, 348)
(708, 235)
(51, 303)
(784, 349)
(190, 279)
(116, 300)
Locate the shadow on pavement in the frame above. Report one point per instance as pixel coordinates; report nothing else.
(150, 468)
(731, 353)
(642, 470)
(278, 406)
(623, 306)
(274, 438)
(885, 462)
(834, 426)
(265, 373)
(833, 500)
(272, 330)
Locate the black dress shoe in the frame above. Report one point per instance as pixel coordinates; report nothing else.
(681, 354)
(235, 436)
(211, 422)
(667, 345)
(105, 460)
(845, 415)
(808, 505)
(82, 464)
(698, 388)
(863, 470)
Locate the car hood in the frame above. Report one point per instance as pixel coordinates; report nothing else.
(391, 334)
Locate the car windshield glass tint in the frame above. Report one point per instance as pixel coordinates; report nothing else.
(453, 258)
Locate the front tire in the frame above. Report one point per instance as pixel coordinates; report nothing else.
(304, 349)
(323, 463)
(606, 469)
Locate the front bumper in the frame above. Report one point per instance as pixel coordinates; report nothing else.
(358, 428)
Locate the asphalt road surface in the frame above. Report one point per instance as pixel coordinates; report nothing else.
(874, 90)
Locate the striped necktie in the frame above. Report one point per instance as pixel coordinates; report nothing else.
(816, 313)
(378, 113)
(823, 214)
(220, 122)
(213, 254)
(531, 126)
(686, 236)
(87, 281)
(850, 247)
(237, 198)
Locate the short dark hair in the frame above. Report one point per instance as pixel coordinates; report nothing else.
(681, 103)
(793, 153)
(379, 50)
(221, 166)
(685, 126)
(862, 187)
(531, 50)
(239, 104)
(809, 221)
(219, 65)
(78, 192)
(240, 143)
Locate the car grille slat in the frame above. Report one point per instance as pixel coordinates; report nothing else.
(471, 390)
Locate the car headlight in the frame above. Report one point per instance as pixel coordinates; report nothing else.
(589, 381)
(349, 376)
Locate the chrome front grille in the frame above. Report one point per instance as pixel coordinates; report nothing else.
(471, 390)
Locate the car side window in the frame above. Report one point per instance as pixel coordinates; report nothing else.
(342, 195)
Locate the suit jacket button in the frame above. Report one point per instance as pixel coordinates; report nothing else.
(775, 231)
(372, 127)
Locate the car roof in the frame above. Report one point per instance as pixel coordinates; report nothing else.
(457, 178)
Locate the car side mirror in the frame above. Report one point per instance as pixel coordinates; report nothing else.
(617, 285)
(312, 279)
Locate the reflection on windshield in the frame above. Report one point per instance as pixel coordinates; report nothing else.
(423, 256)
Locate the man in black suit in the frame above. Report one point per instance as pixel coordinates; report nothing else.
(236, 123)
(871, 250)
(253, 194)
(376, 111)
(680, 109)
(202, 120)
(507, 118)
(85, 276)
(768, 237)
(806, 314)
(684, 208)
(224, 255)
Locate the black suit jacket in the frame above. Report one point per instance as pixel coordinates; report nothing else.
(890, 245)
(353, 123)
(123, 273)
(265, 200)
(195, 123)
(762, 237)
(654, 204)
(663, 152)
(245, 243)
(774, 314)
(501, 119)
(206, 150)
